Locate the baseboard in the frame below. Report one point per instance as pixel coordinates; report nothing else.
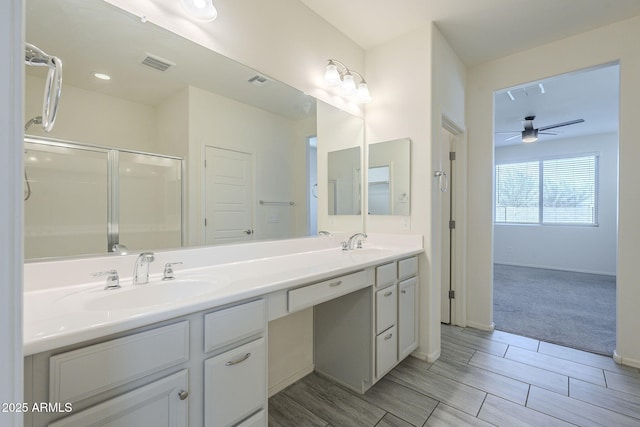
(298, 375)
(483, 327)
(634, 363)
(546, 267)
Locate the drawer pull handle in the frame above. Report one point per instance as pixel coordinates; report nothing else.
(238, 360)
(183, 394)
(388, 337)
(404, 291)
(388, 294)
(334, 284)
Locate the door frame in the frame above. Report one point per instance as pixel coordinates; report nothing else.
(459, 212)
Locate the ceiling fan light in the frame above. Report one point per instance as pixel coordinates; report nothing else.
(201, 10)
(530, 135)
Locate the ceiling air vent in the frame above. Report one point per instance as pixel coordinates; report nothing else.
(259, 80)
(156, 62)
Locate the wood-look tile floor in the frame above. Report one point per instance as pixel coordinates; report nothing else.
(481, 379)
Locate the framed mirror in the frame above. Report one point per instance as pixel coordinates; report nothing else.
(389, 178)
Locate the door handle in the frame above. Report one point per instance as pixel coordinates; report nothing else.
(248, 232)
(443, 180)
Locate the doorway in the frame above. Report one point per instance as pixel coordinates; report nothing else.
(555, 208)
(228, 195)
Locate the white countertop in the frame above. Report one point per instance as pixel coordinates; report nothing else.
(66, 315)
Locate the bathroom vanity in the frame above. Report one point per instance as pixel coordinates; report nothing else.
(148, 355)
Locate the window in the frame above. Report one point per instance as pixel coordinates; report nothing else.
(552, 191)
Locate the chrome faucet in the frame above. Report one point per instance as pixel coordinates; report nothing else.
(324, 233)
(349, 245)
(141, 269)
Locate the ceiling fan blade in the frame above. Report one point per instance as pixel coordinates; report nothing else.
(513, 137)
(557, 125)
(547, 133)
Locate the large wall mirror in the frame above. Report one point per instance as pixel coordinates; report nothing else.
(172, 100)
(344, 181)
(389, 178)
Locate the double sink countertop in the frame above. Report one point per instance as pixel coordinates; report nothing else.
(59, 312)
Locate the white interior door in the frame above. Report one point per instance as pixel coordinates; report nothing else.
(228, 196)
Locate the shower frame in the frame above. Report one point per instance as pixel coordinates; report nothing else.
(113, 180)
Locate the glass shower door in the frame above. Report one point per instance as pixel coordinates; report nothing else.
(150, 201)
(65, 208)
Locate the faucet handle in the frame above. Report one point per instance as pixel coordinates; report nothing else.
(113, 280)
(345, 246)
(168, 271)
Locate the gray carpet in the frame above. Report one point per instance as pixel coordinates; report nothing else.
(572, 309)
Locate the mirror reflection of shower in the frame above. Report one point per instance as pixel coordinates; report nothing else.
(33, 56)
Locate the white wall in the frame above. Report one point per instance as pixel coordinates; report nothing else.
(573, 248)
(94, 118)
(11, 260)
(617, 42)
(416, 78)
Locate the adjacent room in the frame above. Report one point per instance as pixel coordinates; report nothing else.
(555, 217)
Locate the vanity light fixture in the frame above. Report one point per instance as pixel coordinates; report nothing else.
(202, 10)
(337, 74)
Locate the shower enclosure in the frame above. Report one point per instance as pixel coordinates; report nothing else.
(82, 199)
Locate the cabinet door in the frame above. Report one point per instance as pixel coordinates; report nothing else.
(386, 308)
(407, 333)
(235, 384)
(386, 351)
(156, 404)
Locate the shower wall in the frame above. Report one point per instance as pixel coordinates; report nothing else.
(81, 199)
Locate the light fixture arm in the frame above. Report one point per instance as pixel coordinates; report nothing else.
(344, 70)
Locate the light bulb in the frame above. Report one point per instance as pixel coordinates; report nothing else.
(202, 10)
(363, 93)
(331, 76)
(348, 84)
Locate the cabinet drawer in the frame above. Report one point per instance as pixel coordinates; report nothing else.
(226, 326)
(407, 267)
(85, 372)
(386, 308)
(308, 296)
(386, 351)
(385, 274)
(235, 384)
(156, 404)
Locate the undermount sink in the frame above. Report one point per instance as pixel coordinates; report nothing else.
(151, 294)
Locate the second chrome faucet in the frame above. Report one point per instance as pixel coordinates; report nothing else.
(141, 268)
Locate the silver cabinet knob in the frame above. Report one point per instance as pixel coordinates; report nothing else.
(183, 394)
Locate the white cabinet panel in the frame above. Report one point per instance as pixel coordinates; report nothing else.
(407, 331)
(386, 351)
(386, 308)
(317, 293)
(233, 324)
(235, 384)
(385, 274)
(407, 267)
(256, 420)
(78, 374)
(156, 404)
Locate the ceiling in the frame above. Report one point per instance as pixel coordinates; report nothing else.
(480, 31)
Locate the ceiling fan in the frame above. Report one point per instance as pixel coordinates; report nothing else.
(530, 134)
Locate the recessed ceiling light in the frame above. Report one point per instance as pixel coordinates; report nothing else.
(102, 76)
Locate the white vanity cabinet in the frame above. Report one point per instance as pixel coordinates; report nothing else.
(235, 381)
(361, 336)
(206, 368)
